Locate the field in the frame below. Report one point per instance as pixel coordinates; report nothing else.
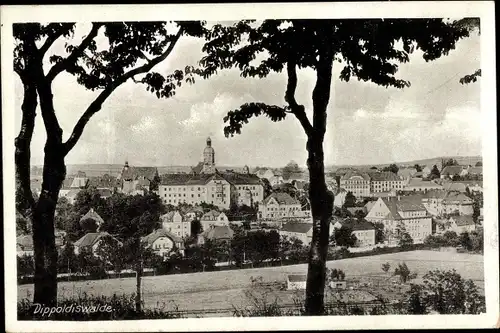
(198, 291)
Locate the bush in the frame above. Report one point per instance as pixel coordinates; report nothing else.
(122, 308)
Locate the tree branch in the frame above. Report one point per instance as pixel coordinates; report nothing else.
(77, 52)
(96, 105)
(51, 39)
(296, 109)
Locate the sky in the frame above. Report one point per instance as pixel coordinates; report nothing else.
(367, 124)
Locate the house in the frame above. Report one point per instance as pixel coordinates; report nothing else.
(72, 186)
(475, 171)
(420, 185)
(454, 202)
(163, 242)
(219, 233)
(338, 284)
(450, 171)
(405, 173)
(92, 215)
(105, 184)
(176, 223)
(397, 212)
(296, 282)
(462, 223)
(385, 182)
(369, 206)
(300, 231)
(90, 242)
(214, 218)
(137, 180)
(278, 205)
(193, 213)
(357, 183)
(274, 177)
(362, 229)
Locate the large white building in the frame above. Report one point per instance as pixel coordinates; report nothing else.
(439, 203)
(409, 212)
(206, 184)
(357, 183)
(385, 182)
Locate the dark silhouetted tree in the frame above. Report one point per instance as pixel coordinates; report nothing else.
(435, 172)
(364, 49)
(129, 52)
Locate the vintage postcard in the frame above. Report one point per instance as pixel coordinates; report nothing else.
(249, 166)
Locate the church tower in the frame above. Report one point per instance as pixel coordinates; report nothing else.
(208, 158)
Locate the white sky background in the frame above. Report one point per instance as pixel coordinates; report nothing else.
(367, 124)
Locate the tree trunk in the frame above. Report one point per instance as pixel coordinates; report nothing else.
(320, 198)
(138, 274)
(24, 196)
(54, 172)
(322, 209)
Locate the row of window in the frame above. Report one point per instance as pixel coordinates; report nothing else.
(283, 208)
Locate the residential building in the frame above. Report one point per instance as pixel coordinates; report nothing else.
(357, 183)
(163, 242)
(92, 215)
(475, 171)
(362, 229)
(454, 186)
(90, 242)
(462, 223)
(278, 205)
(219, 233)
(404, 173)
(274, 177)
(105, 184)
(213, 218)
(453, 170)
(397, 212)
(385, 182)
(72, 186)
(300, 231)
(439, 203)
(420, 185)
(176, 223)
(137, 180)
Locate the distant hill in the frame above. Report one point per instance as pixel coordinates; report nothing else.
(93, 170)
(462, 160)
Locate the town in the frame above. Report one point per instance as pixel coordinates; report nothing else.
(207, 218)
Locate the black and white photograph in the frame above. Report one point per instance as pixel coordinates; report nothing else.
(247, 166)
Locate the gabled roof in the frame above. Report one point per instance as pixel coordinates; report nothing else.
(91, 214)
(418, 182)
(152, 237)
(452, 170)
(169, 217)
(406, 172)
(105, 181)
(435, 194)
(241, 178)
(452, 197)
(353, 210)
(197, 169)
(463, 220)
(356, 225)
(132, 173)
(476, 170)
(454, 186)
(351, 174)
(210, 215)
(384, 176)
(297, 227)
(91, 238)
(403, 204)
(218, 233)
(281, 198)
